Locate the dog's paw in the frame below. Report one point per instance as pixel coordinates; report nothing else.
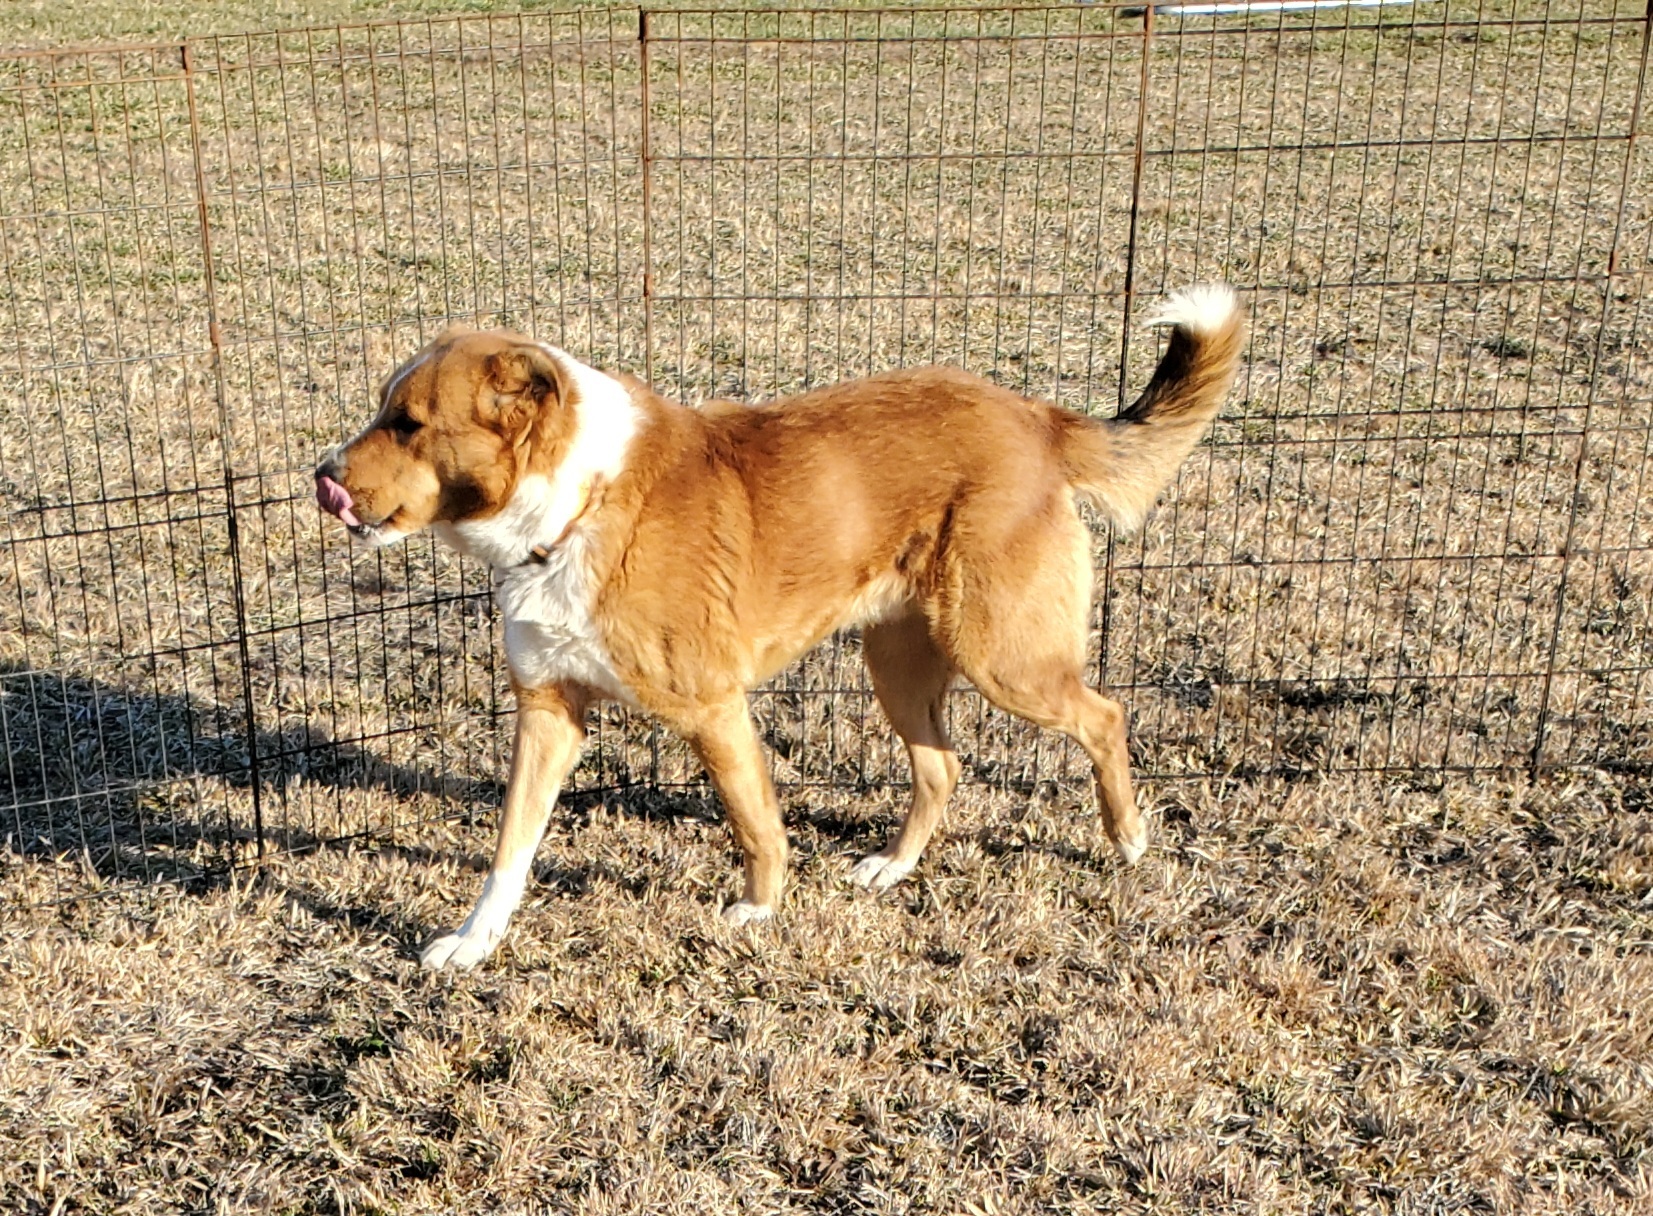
(879, 872)
(1131, 851)
(1131, 848)
(742, 913)
(456, 952)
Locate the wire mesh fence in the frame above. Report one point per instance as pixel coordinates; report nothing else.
(1415, 544)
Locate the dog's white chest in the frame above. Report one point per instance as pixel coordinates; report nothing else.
(550, 636)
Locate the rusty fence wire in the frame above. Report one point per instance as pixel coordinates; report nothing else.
(1415, 544)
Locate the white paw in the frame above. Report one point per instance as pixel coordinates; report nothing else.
(1131, 851)
(742, 913)
(879, 873)
(458, 951)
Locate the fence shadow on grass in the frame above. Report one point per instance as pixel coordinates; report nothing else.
(160, 786)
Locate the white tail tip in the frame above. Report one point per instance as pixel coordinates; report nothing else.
(1204, 309)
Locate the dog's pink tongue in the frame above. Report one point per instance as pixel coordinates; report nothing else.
(335, 500)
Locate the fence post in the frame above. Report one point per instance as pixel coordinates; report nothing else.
(215, 339)
(646, 155)
(1136, 200)
(1568, 543)
(648, 202)
(1125, 330)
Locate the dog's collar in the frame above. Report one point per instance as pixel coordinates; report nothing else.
(540, 554)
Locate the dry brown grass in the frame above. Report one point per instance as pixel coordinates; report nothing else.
(1328, 989)
(1307, 998)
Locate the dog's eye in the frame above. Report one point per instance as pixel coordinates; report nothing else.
(405, 424)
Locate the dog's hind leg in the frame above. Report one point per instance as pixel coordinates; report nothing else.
(723, 737)
(911, 676)
(550, 732)
(1021, 640)
(1064, 702)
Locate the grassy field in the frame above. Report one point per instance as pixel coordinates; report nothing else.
(1308, 998)
(1369, 965)
(39, 23)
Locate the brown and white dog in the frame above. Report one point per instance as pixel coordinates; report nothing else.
(672, 558)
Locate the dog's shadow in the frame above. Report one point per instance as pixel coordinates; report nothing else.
(555, 874)
(128, 786)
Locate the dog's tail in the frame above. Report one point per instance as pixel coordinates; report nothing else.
(1121, 464)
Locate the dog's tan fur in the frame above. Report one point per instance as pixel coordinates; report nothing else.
(930, 506)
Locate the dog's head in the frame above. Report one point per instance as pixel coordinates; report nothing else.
(457, 426)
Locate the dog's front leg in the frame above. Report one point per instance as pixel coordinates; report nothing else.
(724, 739)
(550, 731)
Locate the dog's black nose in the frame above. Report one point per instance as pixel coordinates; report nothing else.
(330, 469)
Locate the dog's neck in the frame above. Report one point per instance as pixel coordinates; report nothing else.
(545, 510)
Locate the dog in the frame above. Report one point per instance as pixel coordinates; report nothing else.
(674, 558)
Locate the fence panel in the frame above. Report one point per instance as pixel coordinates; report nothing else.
(365, 188)
(120, 677)
(1362, 571)
(1415, 544)
(834, 193)
(1595, 710)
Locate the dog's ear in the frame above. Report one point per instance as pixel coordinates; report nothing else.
(525, 378)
